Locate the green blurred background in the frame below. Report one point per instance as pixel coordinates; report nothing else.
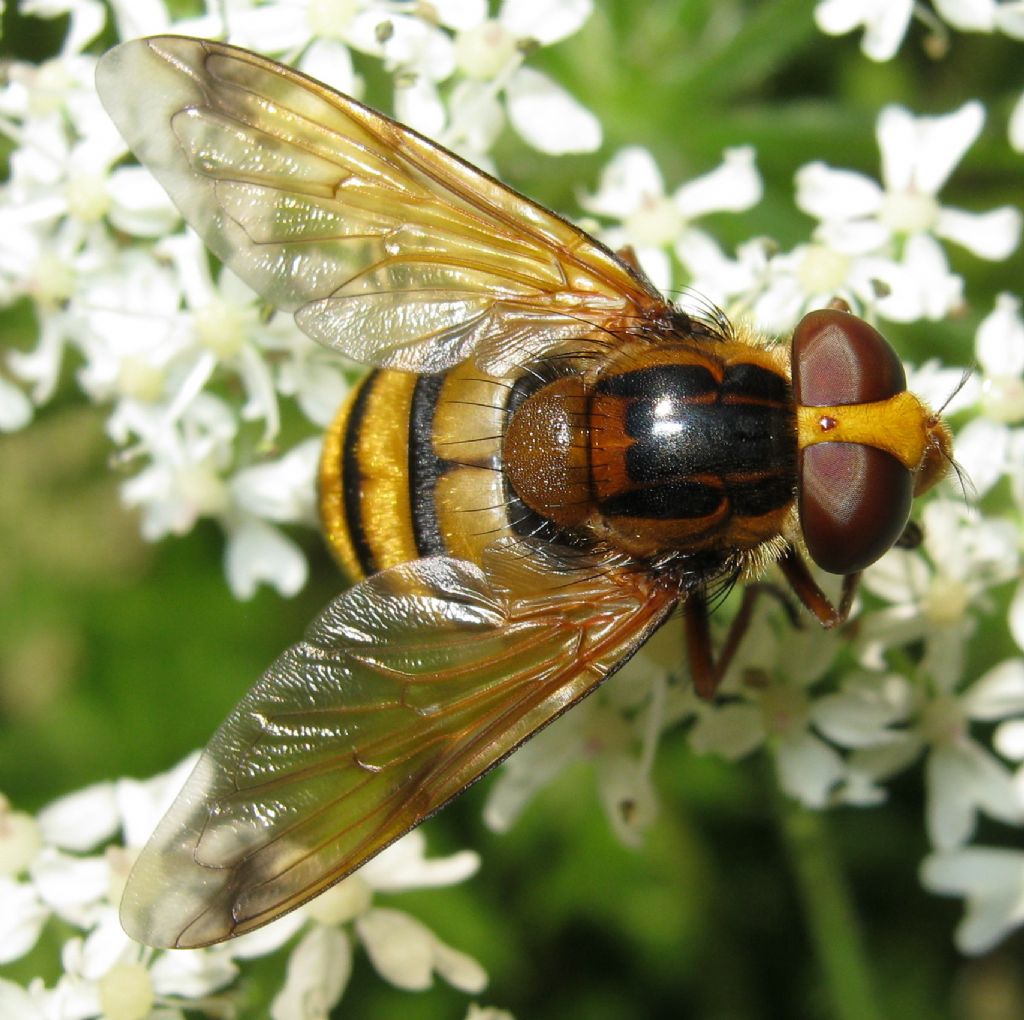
(117, 658)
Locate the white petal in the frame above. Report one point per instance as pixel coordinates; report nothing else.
(808, 769)
(990, 235)
(274, 28)
(82, 820)
(997, 694)
(1016, 125)
(897, 142)
(862, 713)
(476, 119)
(884, 33)
(992, 880)
(406, 953)
(282, 490)
(731, 731)
(837, 17)
(830, 194)
(143, 803)
(900, 577)
(733, 186)
(318, 971)
(400, 948)
(547, 117)
(883, 761)
(418, 104)
(1016, 616)
(536, 765)
(105, 945)
(458, 969)
(962, 780)
(141, 206)
(627, 796)
(16, 1003)
(68, 884)
(922, 286)
(192, 974)
(885, 23)
(630, 177)
(330, 62)
(266, 940)
(941, 143)
(968, 15)
(21, 920)
(460, 14)
(405, 865)
(136, 18)
(546, 22)
(258, 553)
(981, 450)
(1008, 740)
(657, 265)
(853, 237)
(999, 341)
(15, 407)
(1010, 19)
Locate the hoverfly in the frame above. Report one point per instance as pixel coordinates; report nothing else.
(546, 460)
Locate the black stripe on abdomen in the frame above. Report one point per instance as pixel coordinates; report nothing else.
(425, 467)
(352, 478)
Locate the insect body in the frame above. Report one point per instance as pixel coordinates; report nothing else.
(547, 459)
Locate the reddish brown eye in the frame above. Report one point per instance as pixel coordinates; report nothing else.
(854, 499)
(854, 504)
(840, 359)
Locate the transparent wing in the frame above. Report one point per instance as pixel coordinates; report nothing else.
(406, 688)
(386, 246)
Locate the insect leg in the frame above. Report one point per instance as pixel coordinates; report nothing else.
(707, 670)
(807, 590)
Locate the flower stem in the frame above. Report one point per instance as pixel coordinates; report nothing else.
(831, 920)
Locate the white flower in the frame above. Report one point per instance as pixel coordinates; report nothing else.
(632, 191)
(902, 219)
(935, 597)
(402, 950)
(318, 971)
(40, 880)
(771, 680)
(792, 283)
(885, 22)
(616, 730)
(991, 880)
(989, 447)
(890, 721)
(489, 54)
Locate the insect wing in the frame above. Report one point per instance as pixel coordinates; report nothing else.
(406, 688)
(386, 246)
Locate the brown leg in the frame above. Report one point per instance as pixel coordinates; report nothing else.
(810, 594)
(707, 673)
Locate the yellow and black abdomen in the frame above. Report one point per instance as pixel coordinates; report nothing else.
(411, 467)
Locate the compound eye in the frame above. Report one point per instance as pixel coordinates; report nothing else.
(854, 499)
(854, 504)
(840, 359)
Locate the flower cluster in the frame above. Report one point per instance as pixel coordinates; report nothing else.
(197, 376)
(215, 408)
(51, 869)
